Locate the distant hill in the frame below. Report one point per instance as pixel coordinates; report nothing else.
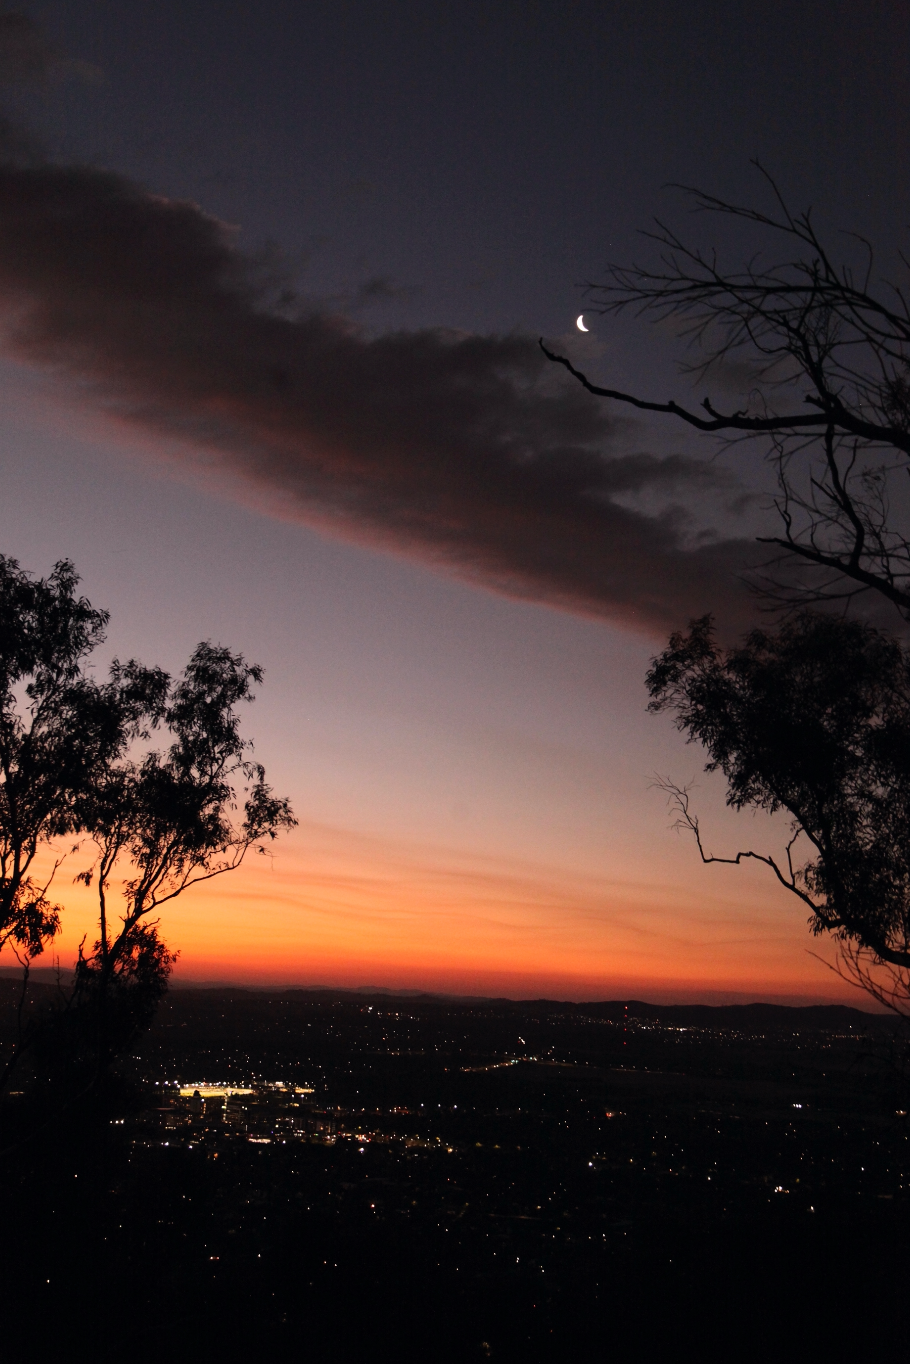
(740, 1016)
(756, 1016)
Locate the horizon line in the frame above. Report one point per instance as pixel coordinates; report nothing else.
(732, 998)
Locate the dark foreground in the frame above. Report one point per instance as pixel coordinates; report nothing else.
(735, 1190)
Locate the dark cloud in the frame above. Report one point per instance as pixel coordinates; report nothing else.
(380, 289)
(26, 55)
(467, 451)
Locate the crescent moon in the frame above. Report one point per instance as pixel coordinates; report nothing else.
(580, 323)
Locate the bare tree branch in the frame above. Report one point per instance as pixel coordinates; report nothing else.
(799, 319)
(678, 800)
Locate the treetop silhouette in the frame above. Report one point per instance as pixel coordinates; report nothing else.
(72, 765)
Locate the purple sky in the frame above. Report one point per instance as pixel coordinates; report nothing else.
(323, 434)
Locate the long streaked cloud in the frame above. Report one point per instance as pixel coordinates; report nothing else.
(463, 450)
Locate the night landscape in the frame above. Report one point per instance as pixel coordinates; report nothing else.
(454, 680)
(481, 1179)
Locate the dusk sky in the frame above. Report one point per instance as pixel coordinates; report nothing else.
(271, 281)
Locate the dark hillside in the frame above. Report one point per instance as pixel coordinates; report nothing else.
(413, 1178)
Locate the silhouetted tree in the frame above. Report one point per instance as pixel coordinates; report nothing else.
(826, 347)
(70, 765)
(60, 732)
(812, 719)
(167, 821)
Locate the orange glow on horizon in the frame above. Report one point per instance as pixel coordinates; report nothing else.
(340, 909)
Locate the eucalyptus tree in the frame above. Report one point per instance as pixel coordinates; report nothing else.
(61, 730)
(163, 822)
(811, 717)
(77, 768)
(811, 720)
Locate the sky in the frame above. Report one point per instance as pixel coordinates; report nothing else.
(272, 277)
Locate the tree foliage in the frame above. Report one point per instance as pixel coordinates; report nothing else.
(72, 766)
(167, 821)
(60, 733)
(812, 719)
